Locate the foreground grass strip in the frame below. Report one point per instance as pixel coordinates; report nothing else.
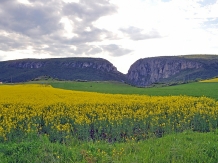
(190, 147)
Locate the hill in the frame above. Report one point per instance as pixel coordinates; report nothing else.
(172, 69)
(143, 73)
(91, 69)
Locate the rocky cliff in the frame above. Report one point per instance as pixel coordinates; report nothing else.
(61, 68)
(94, 63)
(142, 73)
(147, 71)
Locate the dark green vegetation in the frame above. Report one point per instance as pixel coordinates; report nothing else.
(191, 89)
(187, 147)
(90, 69)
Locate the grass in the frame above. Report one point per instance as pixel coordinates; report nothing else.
(197, 89)
(181, 148)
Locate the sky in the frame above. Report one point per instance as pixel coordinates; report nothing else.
(121, 31)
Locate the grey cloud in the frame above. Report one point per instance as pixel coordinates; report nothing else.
(90, 10)
(39, 24)
(60, 50)
(136, 33)
(91, 36)
(112, 49)
(12, 42)
(115, 50)
(87, 49)
(94, 50)
(29, 20)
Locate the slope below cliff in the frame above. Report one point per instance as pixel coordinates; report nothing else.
(147, 71)
(61, 68)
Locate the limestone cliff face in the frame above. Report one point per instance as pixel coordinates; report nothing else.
(94, 63)
(143, 72)
(146, 71)
(90, 69)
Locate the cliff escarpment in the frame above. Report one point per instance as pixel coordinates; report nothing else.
(147, 71)
(142, 73)
(60, 68)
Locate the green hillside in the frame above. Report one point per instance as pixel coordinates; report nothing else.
(90, 69)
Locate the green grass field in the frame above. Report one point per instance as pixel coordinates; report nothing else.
(187, 147)
(197, 89)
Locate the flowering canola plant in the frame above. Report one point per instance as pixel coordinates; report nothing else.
(62, 114)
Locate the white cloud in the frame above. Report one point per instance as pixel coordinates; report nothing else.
(27, 53)
(68, 28)
(26, 2)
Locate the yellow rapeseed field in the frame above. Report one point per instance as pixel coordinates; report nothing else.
(215, 80)
(61, 114)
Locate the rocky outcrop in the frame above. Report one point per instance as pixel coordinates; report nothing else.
(142, 73)
(94, 63)
(145, 72)
(60, 68)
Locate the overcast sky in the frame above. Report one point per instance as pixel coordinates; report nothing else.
(120, 31)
